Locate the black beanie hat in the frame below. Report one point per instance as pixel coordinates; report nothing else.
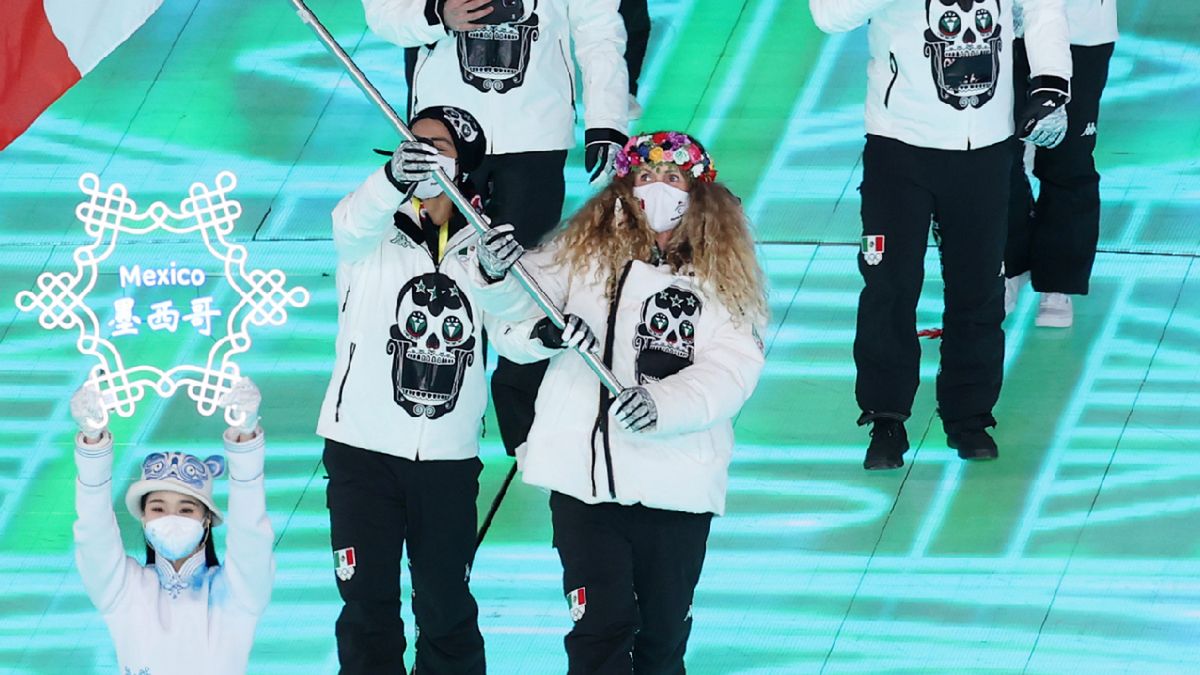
(469, 141)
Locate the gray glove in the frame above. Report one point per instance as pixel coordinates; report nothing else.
(498, 251)
(634, 410)
(412, 162)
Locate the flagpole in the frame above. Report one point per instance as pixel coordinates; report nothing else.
(473, 217)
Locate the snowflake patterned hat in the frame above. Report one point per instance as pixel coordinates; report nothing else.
(667, 146)
(177, 472)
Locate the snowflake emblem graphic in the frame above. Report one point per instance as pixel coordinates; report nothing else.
(263, 297)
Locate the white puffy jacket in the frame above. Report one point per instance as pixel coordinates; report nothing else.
(517, 79)
(408, 378)
(668, 334)
(939, 71)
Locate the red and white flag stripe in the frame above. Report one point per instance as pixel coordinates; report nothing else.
(46, 46)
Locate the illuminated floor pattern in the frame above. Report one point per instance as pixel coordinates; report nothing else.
(1077, 551)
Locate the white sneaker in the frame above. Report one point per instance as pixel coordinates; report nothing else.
(1055, 311)
(635, 109)
(1012, 286)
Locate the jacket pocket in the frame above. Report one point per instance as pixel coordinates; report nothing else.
(887, 96)
(337, 409)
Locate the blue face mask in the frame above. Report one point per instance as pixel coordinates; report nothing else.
(174, 537)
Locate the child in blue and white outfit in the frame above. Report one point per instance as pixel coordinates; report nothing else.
(182, 612)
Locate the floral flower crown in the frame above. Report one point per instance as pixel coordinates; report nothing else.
(666, 146)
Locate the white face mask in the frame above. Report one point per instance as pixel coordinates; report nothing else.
(429, 188)
(664, 205)
(174, 537)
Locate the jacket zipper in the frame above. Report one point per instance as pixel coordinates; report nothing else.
(337, 411)
(605, 396)
(895, 74)
(570, 76)
(437, 267)
(412, 89)
(346, 300)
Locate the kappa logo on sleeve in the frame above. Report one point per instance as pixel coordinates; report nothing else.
(344, 561)
(872, 248)
(577, 599)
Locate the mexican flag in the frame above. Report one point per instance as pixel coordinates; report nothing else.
(344, 557)
(872, 243)
(46, 46)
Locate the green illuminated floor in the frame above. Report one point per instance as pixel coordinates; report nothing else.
(1078, 551)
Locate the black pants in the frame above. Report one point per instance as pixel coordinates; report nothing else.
(967, 192)
(1054, 238)
(526, 190)
(636, 569)
(376, 503)
(636, 16)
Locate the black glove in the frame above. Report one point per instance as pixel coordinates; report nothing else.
(576, 334)
(1044, 120)
(600, 151)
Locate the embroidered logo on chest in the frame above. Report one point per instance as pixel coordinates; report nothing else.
(666, 336)
(963, 44)
(432, 344)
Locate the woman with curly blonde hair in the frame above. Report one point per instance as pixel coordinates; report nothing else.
(662, 263)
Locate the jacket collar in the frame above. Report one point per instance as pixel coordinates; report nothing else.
(408, 222)
(189, 574)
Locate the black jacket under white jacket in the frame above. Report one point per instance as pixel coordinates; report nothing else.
(408, 378)
(518, 78)
(939, 74)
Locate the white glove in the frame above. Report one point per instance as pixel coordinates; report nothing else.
(634, 409)
(413, 162)
(87, 409)
(498, 251)
(241, 406)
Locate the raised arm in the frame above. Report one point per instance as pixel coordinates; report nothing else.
(840, 16)
(365, 218)
(99, 552)
(249, 558)
(407, 23)
(249, 567)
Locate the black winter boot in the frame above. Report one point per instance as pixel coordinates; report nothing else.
(974, 444)
(889, 441)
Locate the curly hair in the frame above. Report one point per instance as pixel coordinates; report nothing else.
(713, 238)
